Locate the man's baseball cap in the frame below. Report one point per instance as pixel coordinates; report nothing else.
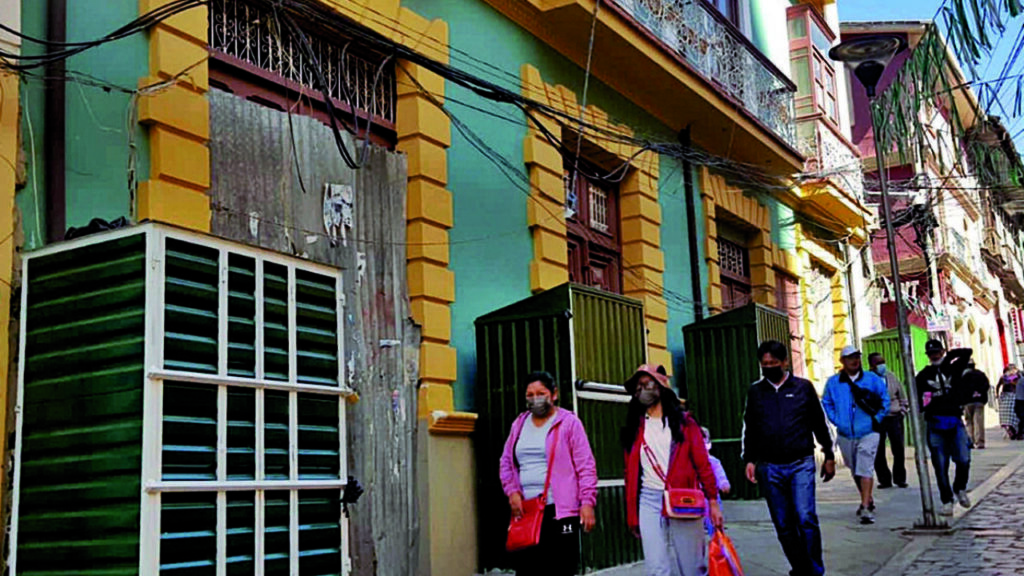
(849, 350)
(933, 346)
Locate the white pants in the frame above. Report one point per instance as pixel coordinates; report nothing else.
(671, 547)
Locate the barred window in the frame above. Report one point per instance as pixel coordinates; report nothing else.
(733, 259)
(257, 56)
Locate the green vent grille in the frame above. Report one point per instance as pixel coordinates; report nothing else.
(318, 437)
(241, 536)
(241, 434)
(275, 321)
(81, 439)
(241, 316)
(317, 328)
(188, 534)
(320, 532)
(189, 432)
(191, 295)
(276, 536)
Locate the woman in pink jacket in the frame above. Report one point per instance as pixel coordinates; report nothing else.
(573, 490)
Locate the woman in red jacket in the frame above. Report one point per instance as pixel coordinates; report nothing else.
(664, 449)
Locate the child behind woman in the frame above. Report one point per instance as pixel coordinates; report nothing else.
(720, 478)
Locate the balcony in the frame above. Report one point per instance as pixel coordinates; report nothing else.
(1003, 257)
(962, 258)
(836, 186)
(719, 52)
(682, 63)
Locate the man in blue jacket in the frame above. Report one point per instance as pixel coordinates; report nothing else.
(855, 402)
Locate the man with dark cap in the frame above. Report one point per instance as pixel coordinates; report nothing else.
(975, 386)
(939, 390)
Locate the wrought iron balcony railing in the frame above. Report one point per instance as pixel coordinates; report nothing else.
(830, 156)
(720, 53)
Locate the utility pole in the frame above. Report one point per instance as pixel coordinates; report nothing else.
(868, 57)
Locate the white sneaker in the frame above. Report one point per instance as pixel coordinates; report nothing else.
(947, 509)
(962, 498)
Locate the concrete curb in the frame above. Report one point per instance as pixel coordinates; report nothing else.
(920, 543)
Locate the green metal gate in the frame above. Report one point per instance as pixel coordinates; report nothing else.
(591, 341)
(721, 364)
(888, 344)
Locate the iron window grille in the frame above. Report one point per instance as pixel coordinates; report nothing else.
(243, 412)
(362, 80)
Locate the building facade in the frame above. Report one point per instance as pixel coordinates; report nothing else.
(958, 235)
(448, 160)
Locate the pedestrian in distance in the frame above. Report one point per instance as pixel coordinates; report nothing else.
(855, 401)
(941, 400)
(721, 479)
(664, 452)
(892, 427)
(1006, 392)
(782, 418)
(1018, 408)
(542, 436)
(975, 386)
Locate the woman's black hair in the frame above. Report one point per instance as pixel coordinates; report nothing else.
(544, 378)
(671, 408)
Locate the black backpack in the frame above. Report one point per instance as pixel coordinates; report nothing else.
(868, 401)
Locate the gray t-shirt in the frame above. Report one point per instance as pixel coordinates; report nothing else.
(531, 453)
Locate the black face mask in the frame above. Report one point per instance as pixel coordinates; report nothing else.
(539, 406)
(649, 396)
(774, 374)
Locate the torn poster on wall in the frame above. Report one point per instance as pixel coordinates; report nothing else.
(338, 211)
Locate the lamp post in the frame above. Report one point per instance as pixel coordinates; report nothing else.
(868, 57)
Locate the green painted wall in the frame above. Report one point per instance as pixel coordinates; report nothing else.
(97, 132)
(491, 245)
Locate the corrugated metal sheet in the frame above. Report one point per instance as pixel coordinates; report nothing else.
(721, 363)
(82, 420)
(268, 189)
(609, 335)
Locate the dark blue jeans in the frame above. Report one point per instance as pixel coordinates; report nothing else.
(789, 491)
(946, 445)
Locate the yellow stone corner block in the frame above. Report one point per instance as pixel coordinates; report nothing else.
(431, 280)
(545, 275)
(545, 213)
(643, 255)
(192, 23)
(533, 83)
(654, 305)
(173, 204)
(656, 356)
(657, 333)
(415, 115)
(427, 241)
(536, 150)
(180, 108)
(435, 396)
(429, 201)
(437, 362)
(550, 247)
(550, 184)
(640, 206)
(170, 54)
(640, 230)
(640, 279)
(425, 158)
(434, 318)
(177, 157)
(410, 77)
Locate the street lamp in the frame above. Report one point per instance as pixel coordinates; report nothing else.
(867, 57)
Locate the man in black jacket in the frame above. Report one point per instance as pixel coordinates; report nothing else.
(975, 387)
(782, 418)
(941, 396)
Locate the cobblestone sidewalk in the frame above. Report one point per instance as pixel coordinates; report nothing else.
(988, 541)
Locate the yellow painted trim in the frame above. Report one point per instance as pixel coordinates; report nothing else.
(643, 261)
(178, 120)
(717, 194)
(9, 131)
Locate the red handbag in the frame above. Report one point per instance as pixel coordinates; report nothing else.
(524, 532)
(679, 503)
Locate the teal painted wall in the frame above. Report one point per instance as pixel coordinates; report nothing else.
(491, 244)
(97, 131)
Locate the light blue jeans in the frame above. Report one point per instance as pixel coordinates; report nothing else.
(671, 547)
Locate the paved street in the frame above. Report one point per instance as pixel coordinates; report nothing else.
(989, 536)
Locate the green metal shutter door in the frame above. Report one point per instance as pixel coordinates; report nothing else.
(82, 415)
